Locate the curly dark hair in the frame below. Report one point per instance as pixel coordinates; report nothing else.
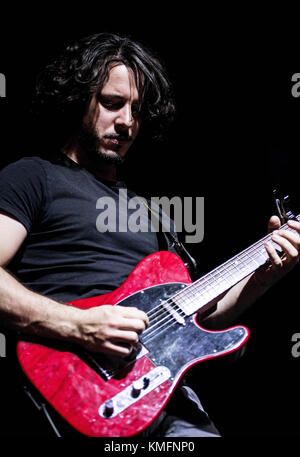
(65, 87)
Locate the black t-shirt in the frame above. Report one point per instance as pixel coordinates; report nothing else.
(65, 255)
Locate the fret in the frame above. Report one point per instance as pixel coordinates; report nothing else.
(222, 278)
(261, 256)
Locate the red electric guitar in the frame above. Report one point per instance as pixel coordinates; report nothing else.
(102, 396)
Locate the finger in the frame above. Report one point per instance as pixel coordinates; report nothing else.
(134, 313)
(274, 257)
(292, 237)
(136, 325)
(288, 248)
(273, 224)
(124, 336)
(116, 349)
(294, 225)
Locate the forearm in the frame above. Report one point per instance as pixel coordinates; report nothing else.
(32, 313)
(236, 301)
(109, 329)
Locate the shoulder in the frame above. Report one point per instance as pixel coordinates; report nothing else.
(24, 189)
(33, 171)
(29, 165)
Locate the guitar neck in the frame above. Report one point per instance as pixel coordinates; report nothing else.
(210, 286)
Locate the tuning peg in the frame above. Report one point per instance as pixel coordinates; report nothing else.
(282, 205)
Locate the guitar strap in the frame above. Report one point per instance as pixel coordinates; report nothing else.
(168, 238)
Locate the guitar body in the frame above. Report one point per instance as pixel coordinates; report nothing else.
(102, 396)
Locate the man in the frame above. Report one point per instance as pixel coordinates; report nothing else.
(100, 93)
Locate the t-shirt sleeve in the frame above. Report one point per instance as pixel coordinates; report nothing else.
(23, 190)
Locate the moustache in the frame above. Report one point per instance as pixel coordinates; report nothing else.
(120, 137)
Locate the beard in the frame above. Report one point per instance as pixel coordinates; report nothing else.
(90, 142)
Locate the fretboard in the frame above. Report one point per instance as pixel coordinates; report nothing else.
(222, 278)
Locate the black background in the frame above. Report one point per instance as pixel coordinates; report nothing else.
(235, 138)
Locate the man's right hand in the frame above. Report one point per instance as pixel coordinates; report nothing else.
(110, 329)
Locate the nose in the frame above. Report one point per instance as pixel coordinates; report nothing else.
(125, 117)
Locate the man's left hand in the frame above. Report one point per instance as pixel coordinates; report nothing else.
(280, 264)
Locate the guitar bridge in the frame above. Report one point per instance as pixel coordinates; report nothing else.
(173, 309)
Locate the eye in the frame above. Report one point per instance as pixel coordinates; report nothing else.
(110, 103)
(116, 103)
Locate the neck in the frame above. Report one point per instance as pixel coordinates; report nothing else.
(100, 168)
(202, 293)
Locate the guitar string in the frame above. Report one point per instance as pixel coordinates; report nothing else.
(226, 266)
(167, 320)
(206, 279)
(151, 330)
(161, 329)
(166, 315)
(186, 292)
(170, 321)
(158, 312)
(115, 371)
